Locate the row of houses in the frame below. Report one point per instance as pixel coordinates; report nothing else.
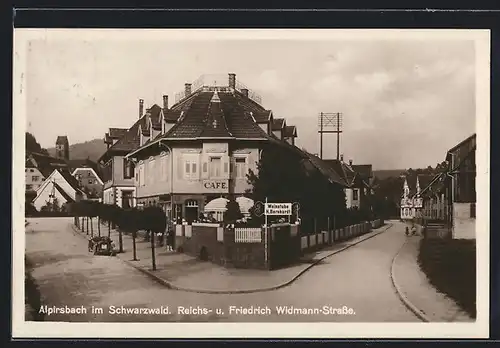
(58, 179)
(185, 155)
(447, 201)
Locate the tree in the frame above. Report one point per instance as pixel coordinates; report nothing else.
(153, 220)
(233, 212)
(33, 146)
(287, 177)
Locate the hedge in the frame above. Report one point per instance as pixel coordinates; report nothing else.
(450, 266)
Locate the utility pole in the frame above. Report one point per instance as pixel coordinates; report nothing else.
(329, 123)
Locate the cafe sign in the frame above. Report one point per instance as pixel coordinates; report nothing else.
(217, 186)
(278, 209)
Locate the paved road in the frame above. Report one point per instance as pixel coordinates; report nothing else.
(358, 278)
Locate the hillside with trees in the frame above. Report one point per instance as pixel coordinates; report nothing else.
(92, 149)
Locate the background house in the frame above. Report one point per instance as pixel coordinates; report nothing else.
(460, 188)
(59, 187)
(88, 175)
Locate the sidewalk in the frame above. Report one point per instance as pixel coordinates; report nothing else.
(416, 291)
(182, 272)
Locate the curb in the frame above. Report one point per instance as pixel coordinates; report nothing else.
(421, 315)
(229, 292)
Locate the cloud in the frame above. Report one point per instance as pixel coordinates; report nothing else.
(404, 103)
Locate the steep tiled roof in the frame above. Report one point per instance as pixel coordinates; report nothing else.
(345, 171)
(171, 116)
(47, 164)
(62, 192)
(62, 139)
(365, 170)
(278, 124)
(326, 169)
(154, 114)
(290, 132)
(226, 109)
(117, 132)
(72, 181)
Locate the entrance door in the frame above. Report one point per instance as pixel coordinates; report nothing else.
(191, 210)
(127, 197)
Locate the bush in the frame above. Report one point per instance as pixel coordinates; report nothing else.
(450, 266)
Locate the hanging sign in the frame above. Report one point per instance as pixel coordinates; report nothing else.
(278, 209)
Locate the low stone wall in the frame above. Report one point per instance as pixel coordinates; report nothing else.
(216, 244)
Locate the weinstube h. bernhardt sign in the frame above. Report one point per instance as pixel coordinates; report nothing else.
(278, 209)
(215, 186)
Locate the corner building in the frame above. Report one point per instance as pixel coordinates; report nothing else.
(202, 147)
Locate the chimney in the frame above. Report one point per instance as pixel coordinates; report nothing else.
(342, 158)
(141, 107)
(350, 162)
(232, 80)
(244, 91)
(165, 102)
(187, 89)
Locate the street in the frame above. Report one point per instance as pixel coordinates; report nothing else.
(351, 286)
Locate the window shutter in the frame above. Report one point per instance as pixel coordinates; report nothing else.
(226, 167)
(179, 167)
(204, 161)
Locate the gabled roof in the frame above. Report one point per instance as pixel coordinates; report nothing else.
(345, 171)
(463, 142)
(72, 181)
(46, 164)
(326, 169)
(278, 124)
(117, 132)
(290, 132)
(155, 116)
(62, 140)
(226, 109)
(62, 192)
(364, 170)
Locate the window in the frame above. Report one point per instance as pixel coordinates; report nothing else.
(191, 169)
(29, 187)
(91, 181)
(35, 178)
(473, 210)
(128, 169)
(240, 167)
(32, 170)
(141, 174)
(150, 172)
(163, 167)
(215, 167)
(355, 194)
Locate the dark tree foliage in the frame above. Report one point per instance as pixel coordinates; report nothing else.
(233, 212)
(285, 177)
(33, 146)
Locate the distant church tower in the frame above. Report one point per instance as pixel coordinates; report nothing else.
(62, 147)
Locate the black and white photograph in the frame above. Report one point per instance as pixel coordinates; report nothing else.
(251, 183)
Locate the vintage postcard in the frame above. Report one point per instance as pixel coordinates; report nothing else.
(251, 183)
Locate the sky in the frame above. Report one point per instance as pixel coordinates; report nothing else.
(404, 102)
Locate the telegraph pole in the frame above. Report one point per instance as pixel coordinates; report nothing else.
(329, 123)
